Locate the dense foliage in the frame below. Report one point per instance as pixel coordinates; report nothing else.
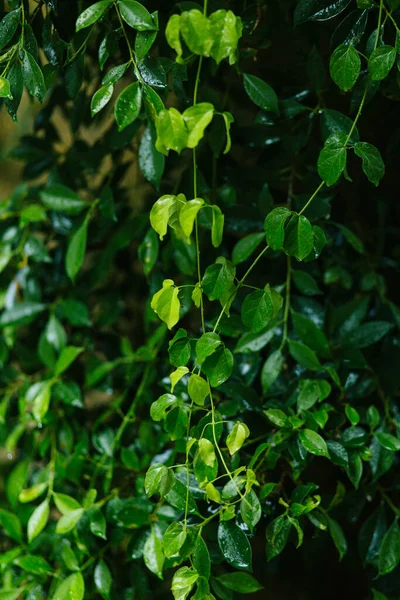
(200, 341)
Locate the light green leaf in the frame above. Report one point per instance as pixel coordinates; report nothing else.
(66, 358)
(196, 31)
(68, 521)
(188, 214)
(5, 90)
(172, 133)
(41, 400)
(172, 34)
(165, 303)
(183, 581)
(177, 376)
(261, 93)
(217, 227)
(159, 480)
(38, 520)
(72, 588)
(173, 539)
(345, 66)
(226, 30)
(237, 436)
(197, 118)
(198, 389)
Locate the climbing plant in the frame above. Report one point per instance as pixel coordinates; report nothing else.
(199, 268)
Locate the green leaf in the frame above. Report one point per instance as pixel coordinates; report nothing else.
(172, 133)
(153, 555)
(12, 525)
(127, 107)
(198, 389)
(217, 227)
(69, 521)
(33, 564)
(172, 34)
(299, 237)
(277, 417)
(345, 66)
(21, 313)
(5, 90)
(332, 159)
(158, 410)
(366, 334)
(277, 534)
(72, 588)
(41, 400)
(237, 437)
(352, 239)
(260, 93)
(136, 15)
(257, 310)
(337, 535)
(38, 520)
(250, 509)
(313, 442)
(206, 345)
(305, 283)
(218, 278)
(372, 163)
(274, 226)
(98, 524)
(219, 366)
(101, 98)
(271, 369)
(151, 162)
(196, 31)
(389, 554)
(197, 118)
(245, 247)
(162, 211)
(243, 583)
(159, 480)
(33, 77)
(66, 358)
(92, 14)
(76, 251)
(103, 579)
(8, 26)
(165, 303)
(312, 10)
(30, 494)
(61, 199)
(381, 62)
(179, 349)
(226, 30)
(183, 582)
(388, 441)
(66, 504)
(310, 334)
(234, 545)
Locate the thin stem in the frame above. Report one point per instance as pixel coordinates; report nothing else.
(307, 204)
(287, 303)
(131, 52)
(378, 31)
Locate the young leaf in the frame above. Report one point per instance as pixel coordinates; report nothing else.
(198, 389)
(165, 303)
(183, 582)
(226, 30)
(38, 520)
(196, 31)
(197, 118)
(172, 34)
(172, 133)
(237, 436)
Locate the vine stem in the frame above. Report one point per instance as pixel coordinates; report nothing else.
(131, 52)
(287, 303)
